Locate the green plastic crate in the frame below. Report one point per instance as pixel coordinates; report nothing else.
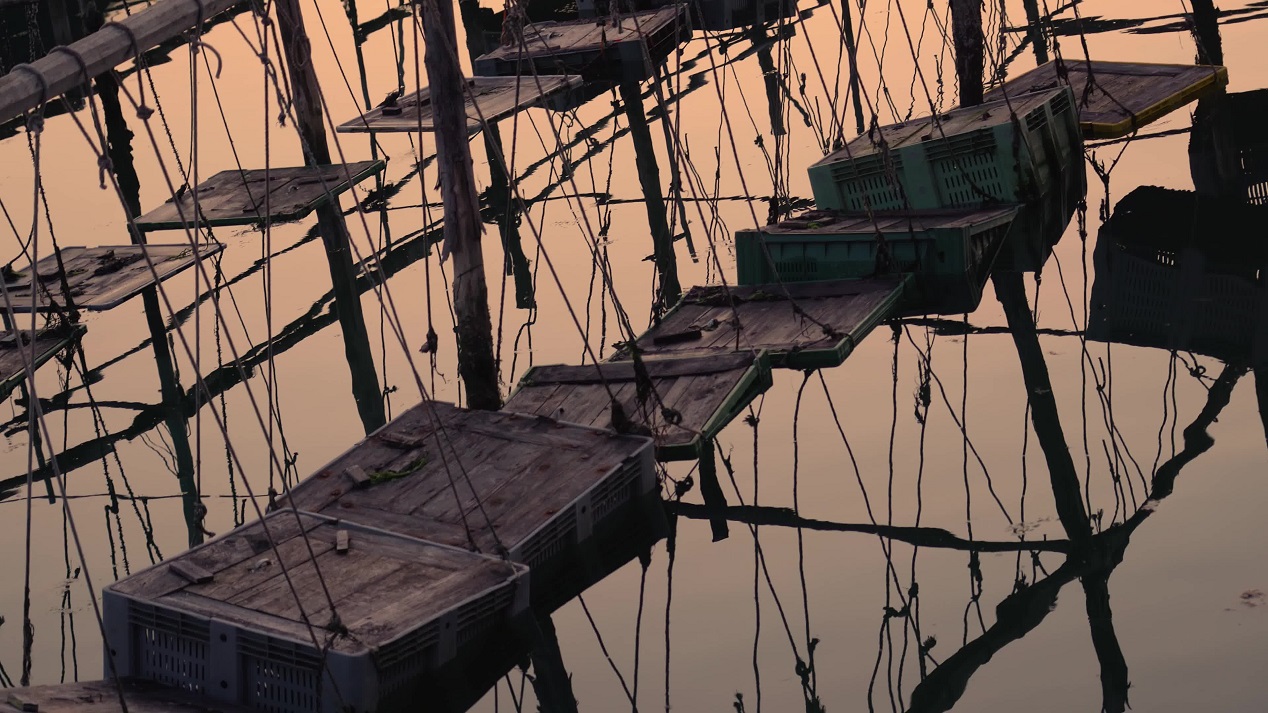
(950, 252)
(965, 158)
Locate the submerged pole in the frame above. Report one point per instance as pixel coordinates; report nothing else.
(476, 364)
(966, 29)
(334, 232)
(649, 176)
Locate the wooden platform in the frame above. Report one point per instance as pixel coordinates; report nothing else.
(103, 697)
(48, 344)
(802, 325)
(103, 277)
(496, 97)
(543, 485)
(1126, 96)
(222, 618)
(242, 197)
(593, 48)
(705, 392)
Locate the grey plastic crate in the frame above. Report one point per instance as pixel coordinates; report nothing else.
(545, 485)
(221, 621)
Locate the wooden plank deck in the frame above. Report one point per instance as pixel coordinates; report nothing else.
(1126, 95)
(386, 610)
(101, 278)
(593, 48)
(236, 578)
(496, 98)
(706, 393)
(48, 344)
(803, 325)
(103, 697)
(241, 197)
(526, 484)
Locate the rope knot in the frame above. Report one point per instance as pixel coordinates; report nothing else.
(104, 164)
(144, 112)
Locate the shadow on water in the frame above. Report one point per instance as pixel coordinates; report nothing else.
(1216, 285)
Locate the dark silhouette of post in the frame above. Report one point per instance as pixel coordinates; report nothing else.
(649, 176)
(476, 364)
(334, 232)
(966, 30)
(1034, 30)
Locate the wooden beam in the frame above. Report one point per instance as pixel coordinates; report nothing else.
(20, 90)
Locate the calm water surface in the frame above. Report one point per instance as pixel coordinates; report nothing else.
(922, 427)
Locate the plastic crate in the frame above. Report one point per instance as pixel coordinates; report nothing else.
(966, 158)
(569, 480)
(1174, 300)
(950, 252)
(220, 620)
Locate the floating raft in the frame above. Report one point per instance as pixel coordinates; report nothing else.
(223, 619)
(244, 197)
(806, 325)
(528, 485)
(1125, 95)
(950, 252)
(103, 697)
(705, 393)
(627, 48)
(495, 97)
(102, 278)
(14, 352)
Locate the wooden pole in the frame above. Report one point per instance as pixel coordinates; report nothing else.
(334, 232)
(852, 55)
(966, 30)
(102, 51)
(1034, 28)
(649, 176)
(476, 364)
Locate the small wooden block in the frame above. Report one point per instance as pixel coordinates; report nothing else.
(342, 542)
(358, 476)
(403, 441)
(191, 572)
(23, 705)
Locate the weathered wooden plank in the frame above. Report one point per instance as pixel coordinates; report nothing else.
(254, 594)
(103, 277)
(703, 391)
(16, 350)
(236, 197)
(517, 472)
(21, 91)
(490, 98)
(1125, 96)
(803, 325)
(103, 697)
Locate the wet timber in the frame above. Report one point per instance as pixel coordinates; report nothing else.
(1116, 98)
(16, 351)
(487, 98)
(100, 278)
(802, 325)
(257, 196)
(684, 404)
(103, 697)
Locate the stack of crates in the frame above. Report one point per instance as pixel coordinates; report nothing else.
(969, 158)
(222, 620)
(951, 252)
